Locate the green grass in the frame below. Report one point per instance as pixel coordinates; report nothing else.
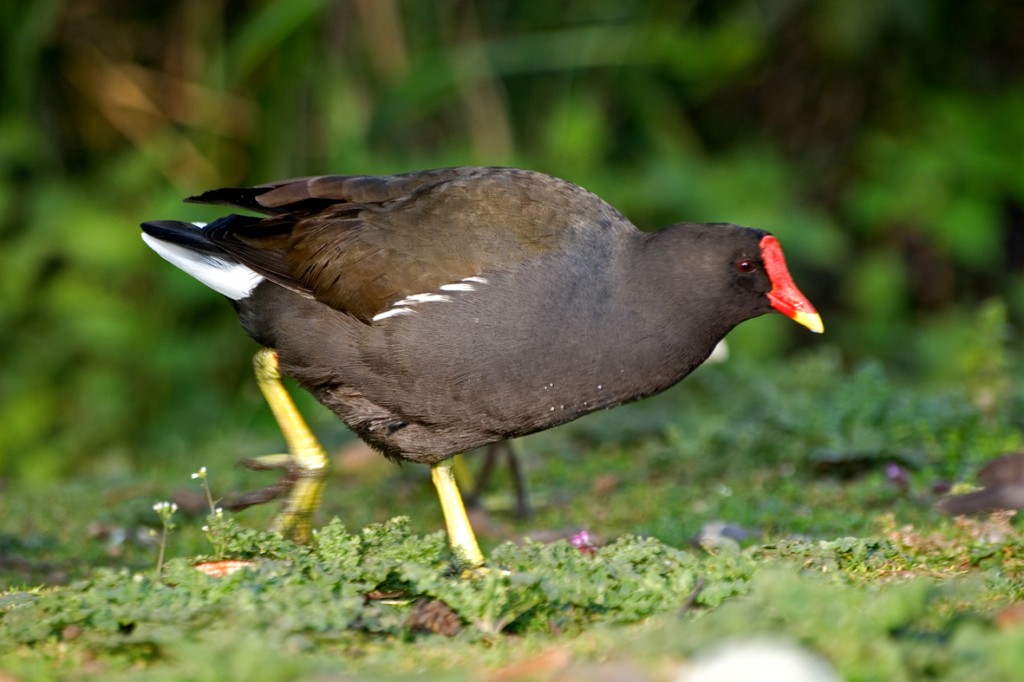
(842, 559)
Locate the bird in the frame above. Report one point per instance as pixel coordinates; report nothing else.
(438, 311)
(1003, 478)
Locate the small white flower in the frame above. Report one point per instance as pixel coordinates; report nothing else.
(199, 474)
(165, 509)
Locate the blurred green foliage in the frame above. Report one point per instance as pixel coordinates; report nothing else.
(880, 141)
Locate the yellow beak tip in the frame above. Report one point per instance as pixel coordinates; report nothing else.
(810, 320)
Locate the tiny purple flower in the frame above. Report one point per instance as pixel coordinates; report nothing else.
(898, 476)
(582, 542)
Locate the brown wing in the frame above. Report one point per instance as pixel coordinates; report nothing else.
(360, 243)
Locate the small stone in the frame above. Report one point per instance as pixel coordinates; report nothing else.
(722, 535)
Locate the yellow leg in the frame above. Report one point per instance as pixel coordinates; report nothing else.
(463, 474)
(460, 533)
(306, 464)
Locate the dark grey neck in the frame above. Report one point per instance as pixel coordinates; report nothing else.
(674, 316)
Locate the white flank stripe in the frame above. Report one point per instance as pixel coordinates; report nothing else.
(401, 307)
(234, 280)
(392, 312)
(424, 298)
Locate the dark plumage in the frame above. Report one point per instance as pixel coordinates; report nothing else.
(1003, 478)
(438, 311)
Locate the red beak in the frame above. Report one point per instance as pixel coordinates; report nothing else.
(784, 296)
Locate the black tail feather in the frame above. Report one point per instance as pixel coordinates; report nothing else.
(248, 198)
(184, 234)
(193, 237)
(241, 197)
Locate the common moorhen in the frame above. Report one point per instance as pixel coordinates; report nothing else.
(1003, 478)
(441, 310)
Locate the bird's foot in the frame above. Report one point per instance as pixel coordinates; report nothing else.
(299, 486)
(305, 466)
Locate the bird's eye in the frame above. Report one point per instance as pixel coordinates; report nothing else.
(746, 265)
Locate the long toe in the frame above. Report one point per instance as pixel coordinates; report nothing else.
(305, 466)
(295, 520)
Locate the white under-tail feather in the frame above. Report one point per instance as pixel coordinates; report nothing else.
(234, 280)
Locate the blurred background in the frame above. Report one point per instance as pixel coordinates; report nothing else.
(883, 142)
